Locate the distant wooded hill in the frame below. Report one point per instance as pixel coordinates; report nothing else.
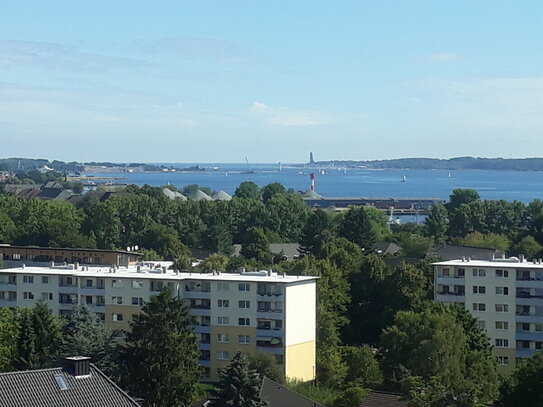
(458, 163)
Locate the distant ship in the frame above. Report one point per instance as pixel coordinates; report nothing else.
(450, 176)
(404, 178)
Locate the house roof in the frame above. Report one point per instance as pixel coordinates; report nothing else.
(278, 395)
(221, 196)
(451, 252)
(383, 399)
(289, 250)
(173, 194)
(199, 195)
(39, 388)
(387, 248)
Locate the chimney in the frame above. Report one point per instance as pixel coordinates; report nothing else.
(52, 264)
(138, 269)
(463, 259)
(23, 266)
(76, 266)
(521, 258)
(78, 366)
(164, 270)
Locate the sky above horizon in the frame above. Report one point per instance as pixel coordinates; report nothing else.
(216, 81)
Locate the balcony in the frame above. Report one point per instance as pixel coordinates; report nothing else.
(528, 336)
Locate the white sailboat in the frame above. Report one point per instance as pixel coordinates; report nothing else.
(404, 178)
(450, 176)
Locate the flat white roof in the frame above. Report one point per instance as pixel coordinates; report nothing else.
(158, 274)
(496, 263)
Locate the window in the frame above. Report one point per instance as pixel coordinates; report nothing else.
(223, 286)
(278, 324)
(137, 284)
(88, 283)
(222, 321)
(223, 338)
(479, 272)
(502, 308)
(502, 273)
(69, 280)
(502, 325)
(223, 303)
(244, 304)
(244, 287)
(502, 343)
(523, 344)
(446, 272)
(244, 321)
(481, 324)
(503, 360)
(88, 299)
(538, 345)
(524, 327)
(538, 327)
(461, 272)
(223, 355)
(481, 289)
(117, 300)
(28, 295)
(137, 301)
(244, 339)
(16, 256)
(117, 317)
(502, 290)
(479, 306)
(47, 296)
(28, 279)
(116, 283)
(45, 279)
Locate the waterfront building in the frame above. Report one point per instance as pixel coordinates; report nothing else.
(250, 312)
(505, 295)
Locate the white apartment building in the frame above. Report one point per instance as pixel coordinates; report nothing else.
(506, 296)
(250, 312)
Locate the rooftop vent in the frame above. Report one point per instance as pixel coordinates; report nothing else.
(78, 366)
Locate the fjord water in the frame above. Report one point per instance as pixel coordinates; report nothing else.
(353, 182)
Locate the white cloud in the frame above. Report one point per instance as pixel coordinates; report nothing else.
(282, 116)
(444, 57)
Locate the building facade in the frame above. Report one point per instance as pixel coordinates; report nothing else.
(505, 295)
(15, 256)
(250, 312)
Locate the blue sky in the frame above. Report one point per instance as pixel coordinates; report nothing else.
(215, 81)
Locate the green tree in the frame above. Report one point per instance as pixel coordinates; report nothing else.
(160, 356)
(215, 262)
(164, 241)
(285, 215)
(266, 365)
(238, 385)
(527, 246)
(429, 353)
(26, 357)
(461, 196)
(350, 397)
(315, 233)
(248, 190)
(256, 246)
(356, 227)
(363, 368)
(272, 189)
(84, 334)
(490, 241)
(46, 330)
(413, 245)
(523, 387)
(437, 222)
(9, 329)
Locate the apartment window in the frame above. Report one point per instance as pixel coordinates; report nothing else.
(244, 339)
(481, 324)
(223, 286)
(137, 301)
(101, 316)
(481, 289)
(502, 290)
(88, 283)
(16, 256)
(137, 284)
(117, 317)
(461, 272)
(502, 273)
(27, 295)
(244, 321)
(223, 303)
(524, 327)
(45, 279)
(538, 345)
(117, 300)
(278, 324)
(502, 325)
(503, 360)
(223, 355)
(538, 327)
(223, 321)
(479, 272)
(47, 296)
(101, 300)
(223, 338)
(88, 299)
(502, 308)
(446, 272)
(523, 344)
(117, 283)
(69, 280)
(479, 306)
(244, 304)
(28, 279)
(244, 287)
(502, 343)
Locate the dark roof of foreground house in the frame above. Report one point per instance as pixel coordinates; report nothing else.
(60, 387)
(387, 248)
(276, 395)
(455, 252)
(383, 399)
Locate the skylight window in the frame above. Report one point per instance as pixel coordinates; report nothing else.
(61, 382)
